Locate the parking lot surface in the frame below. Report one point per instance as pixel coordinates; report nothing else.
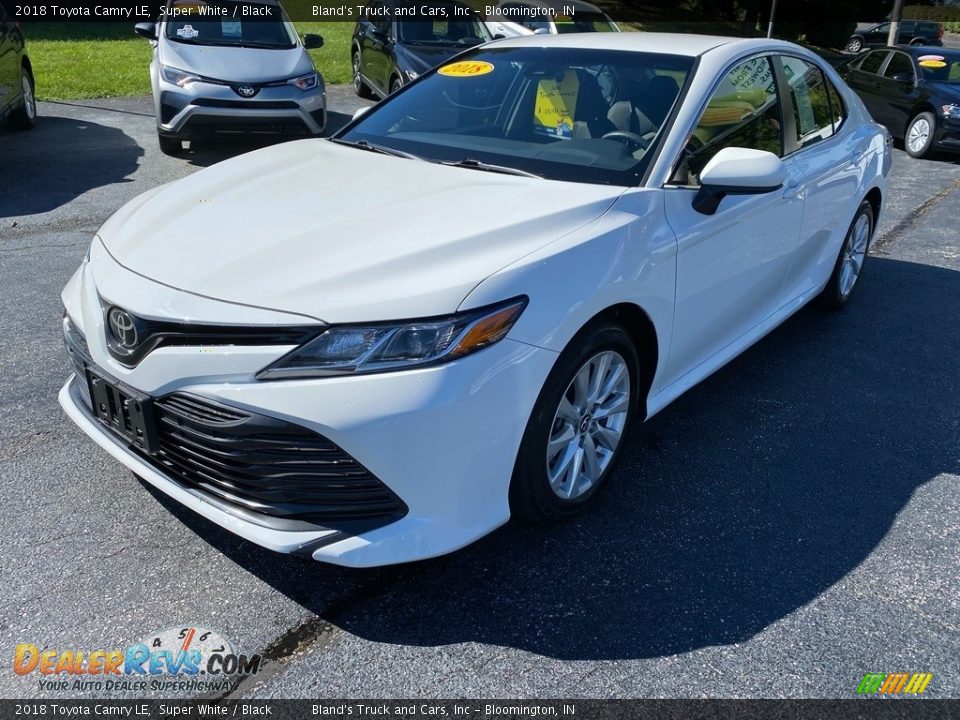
(782, 529)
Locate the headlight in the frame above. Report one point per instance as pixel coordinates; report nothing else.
(305, 82)
(382, 347)
(177, 77)
(951, 111)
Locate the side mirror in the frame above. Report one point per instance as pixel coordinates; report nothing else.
(903, 77)
(311, 41)
(499, 36)
(360, 112)
(146, 29)
(738, 171)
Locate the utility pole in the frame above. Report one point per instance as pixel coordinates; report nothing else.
(895, 18)
(773, 12)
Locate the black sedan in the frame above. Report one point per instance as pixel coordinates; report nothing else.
(387, 53)
(914, 91)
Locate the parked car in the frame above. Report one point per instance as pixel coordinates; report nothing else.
(387, 53)
(18, 104)
(369, 365)
(912, 32)
(914, 91)
(239, 77)
(513, 18)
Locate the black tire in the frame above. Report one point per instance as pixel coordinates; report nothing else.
(531, 497)
(25, 116)
(359, 86)
(854, 45)
(920, 151)
(170, 145)
(395, 85)
(836, 295)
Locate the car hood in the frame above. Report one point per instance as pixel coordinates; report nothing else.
(339, 234)
(231, 64)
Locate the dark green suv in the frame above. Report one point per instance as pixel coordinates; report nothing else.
(912, 32)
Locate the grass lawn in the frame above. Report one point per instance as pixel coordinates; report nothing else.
(90, 60)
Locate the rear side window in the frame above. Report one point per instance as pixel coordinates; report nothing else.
(744, 111)
(837, 108)
(813, 119)
(872, 62)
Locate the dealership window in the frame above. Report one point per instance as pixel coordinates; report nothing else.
(744, 111)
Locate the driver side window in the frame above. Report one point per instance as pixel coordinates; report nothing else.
(744, 111)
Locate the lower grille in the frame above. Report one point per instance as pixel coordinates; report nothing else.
(247, 104)
(268, 466)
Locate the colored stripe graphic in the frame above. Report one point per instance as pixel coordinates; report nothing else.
(894, 683)
(918, 683)
(870, 683)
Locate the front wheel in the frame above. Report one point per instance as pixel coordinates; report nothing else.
(359, 86)
(919, 136)
(853, 254)
(25, 117)
(854, 45)
(575, 434)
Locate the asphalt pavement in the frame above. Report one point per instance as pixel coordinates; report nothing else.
(785, 527)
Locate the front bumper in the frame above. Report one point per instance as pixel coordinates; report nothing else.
(948, 135)
(442, 439)
(203, 110)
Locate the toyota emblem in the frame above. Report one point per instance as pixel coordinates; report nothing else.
(123, 327)
(247, 90)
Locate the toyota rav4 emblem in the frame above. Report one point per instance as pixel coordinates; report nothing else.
(247, 90)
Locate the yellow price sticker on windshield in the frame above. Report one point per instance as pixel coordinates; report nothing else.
(933, 64)
(466, 68)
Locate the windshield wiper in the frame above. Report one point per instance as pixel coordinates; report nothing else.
(364, 145)
(472, 164)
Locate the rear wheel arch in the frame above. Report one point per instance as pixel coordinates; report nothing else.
(914, 111)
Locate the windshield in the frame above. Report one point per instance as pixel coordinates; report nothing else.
(564, 114)
(584, 22)
(465, 33)
(229, 23)
(941, 67)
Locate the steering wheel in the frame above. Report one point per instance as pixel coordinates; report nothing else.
(633, 141)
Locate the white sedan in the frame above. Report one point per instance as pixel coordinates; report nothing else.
(380, 347)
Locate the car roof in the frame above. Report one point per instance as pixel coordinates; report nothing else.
(559, 6)
(662, 43)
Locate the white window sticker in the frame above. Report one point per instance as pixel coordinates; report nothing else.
(231, 28)
(187, 31)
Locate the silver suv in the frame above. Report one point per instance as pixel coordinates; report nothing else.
(232, 68)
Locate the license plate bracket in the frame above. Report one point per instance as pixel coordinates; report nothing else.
(125, 411)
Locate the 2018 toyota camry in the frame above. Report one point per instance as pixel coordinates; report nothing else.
(380, 347)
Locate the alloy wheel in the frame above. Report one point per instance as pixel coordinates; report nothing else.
(29, 102)
(854, 253)
(588, 425)
(918, 135)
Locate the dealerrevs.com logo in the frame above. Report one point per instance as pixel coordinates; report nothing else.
(185, 658)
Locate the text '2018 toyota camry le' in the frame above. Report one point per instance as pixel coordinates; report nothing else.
(379, 347)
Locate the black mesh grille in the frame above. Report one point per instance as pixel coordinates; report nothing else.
(266, 465)
(247, 104)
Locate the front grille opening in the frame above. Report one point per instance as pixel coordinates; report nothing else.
(266, 465)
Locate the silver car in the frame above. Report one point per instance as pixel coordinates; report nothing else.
(232, 68)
